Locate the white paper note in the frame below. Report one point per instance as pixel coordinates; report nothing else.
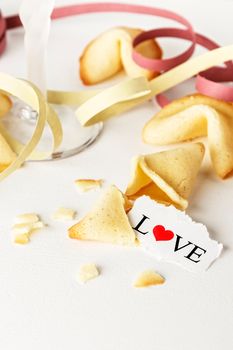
(171, 235)
(35, 16)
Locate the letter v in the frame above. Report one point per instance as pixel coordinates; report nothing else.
(177, 247)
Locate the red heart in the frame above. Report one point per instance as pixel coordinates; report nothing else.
(161, 234)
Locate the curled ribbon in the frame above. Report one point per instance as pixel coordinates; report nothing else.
(98, 105)
(33, 97)
(205, 81)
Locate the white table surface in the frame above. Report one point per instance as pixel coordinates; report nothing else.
(41, 304)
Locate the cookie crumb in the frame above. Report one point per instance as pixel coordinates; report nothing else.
(84, 185)
(149, 278)
(27, 218)
(22, 238)
(88, 272)
(64, 214)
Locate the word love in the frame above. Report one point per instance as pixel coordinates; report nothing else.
(161, 234)
(171, 235)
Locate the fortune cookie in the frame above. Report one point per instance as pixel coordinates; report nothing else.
(5, 104)
(194, 116)
(107, 222)
(7, 155)
(167, 177)
(111, 52)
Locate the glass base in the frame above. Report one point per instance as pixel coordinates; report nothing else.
(20, 122)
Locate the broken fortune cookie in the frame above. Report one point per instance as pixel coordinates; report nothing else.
(167, 177)
(107, 222)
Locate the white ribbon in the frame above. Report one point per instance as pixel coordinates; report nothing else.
(35, 17)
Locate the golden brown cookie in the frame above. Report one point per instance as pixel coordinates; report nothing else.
(107, 222)
(194, 116)
(167, 177)
(111, 52)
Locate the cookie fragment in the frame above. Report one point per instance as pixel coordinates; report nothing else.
(149, 278)
(22, 238)
(26, 218)
(64, 214)
(84, 185)
(88, 272)
(25, 225)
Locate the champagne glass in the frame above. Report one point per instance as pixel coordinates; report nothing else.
(35, 17)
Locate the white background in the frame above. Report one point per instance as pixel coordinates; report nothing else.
(41, 304)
